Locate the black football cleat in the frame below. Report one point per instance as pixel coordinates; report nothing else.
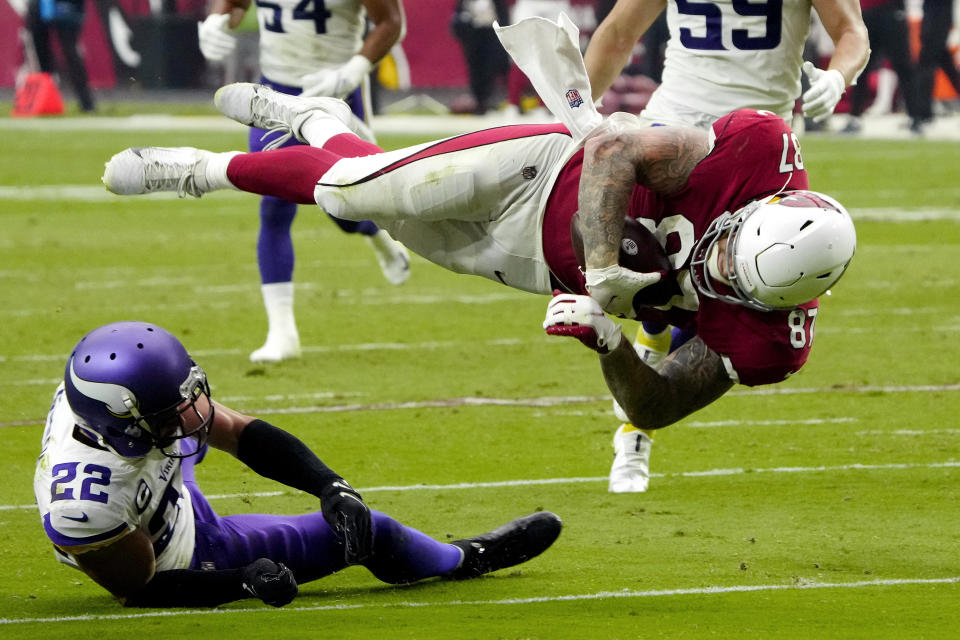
(508, 545)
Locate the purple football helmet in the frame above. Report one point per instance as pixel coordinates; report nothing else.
(130, 384)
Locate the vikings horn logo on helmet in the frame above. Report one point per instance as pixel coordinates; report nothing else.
(112, 395)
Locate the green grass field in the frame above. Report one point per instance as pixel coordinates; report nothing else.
(825, 507)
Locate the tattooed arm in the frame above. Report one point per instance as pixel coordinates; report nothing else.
(687, 380)
(659, 158)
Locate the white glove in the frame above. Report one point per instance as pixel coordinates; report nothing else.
(337, 83)
(216, 41)
(582, 318)
(826, 89)
(613, 288)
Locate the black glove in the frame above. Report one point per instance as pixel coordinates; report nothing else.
(270, 581)
(346, 513)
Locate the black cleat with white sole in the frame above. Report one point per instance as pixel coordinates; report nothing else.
(506, 546)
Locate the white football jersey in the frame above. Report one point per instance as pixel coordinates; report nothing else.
(725, 55)
(302, 36)
(88, 495)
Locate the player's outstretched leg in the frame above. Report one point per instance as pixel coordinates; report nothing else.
(392, 256)
(184, 170)
(506, 546)
(259, 106)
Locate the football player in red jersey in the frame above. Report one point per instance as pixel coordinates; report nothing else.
(750, 249)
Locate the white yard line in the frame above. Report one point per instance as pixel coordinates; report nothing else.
(767, 423)
(535, 482)
(98, 193)
(85, 193)
(540, 401)
(576, 597)
(906, 432)
(887, 127)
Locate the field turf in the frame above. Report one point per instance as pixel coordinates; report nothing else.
(824, 507)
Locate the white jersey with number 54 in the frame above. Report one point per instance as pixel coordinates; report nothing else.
(303, 36)
(724, 55)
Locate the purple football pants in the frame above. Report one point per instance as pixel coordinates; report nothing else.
(275, 255)
(307, 544)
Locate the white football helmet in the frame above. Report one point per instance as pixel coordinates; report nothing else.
(781, 252)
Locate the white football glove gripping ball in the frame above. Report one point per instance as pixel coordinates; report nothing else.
(613, 288)
(337, 83)
(582, 318)
(826, 89)
(216, 41)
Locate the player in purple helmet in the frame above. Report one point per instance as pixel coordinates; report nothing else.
(116, 491)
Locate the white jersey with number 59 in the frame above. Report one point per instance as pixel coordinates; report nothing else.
(303, 36)
(724, 55)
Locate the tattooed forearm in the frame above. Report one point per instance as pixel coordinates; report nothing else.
(688, 380)
(606, 182)
(660, 158)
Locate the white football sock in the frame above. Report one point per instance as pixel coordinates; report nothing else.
(283, 341)
(320, 127)
(215, 171)
(278, 300)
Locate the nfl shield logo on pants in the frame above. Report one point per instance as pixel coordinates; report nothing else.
(573, 98)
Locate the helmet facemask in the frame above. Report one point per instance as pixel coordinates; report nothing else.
(164, 428)
(726, 226)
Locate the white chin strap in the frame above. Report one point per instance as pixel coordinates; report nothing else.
(713, 265)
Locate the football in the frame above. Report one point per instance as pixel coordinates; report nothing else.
(639, 251)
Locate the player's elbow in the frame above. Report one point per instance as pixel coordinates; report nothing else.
(125, 594)
(604, 147)
(655, 409)
(649, 419)
(393, 24)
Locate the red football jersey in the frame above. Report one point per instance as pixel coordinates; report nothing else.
(755, 154)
